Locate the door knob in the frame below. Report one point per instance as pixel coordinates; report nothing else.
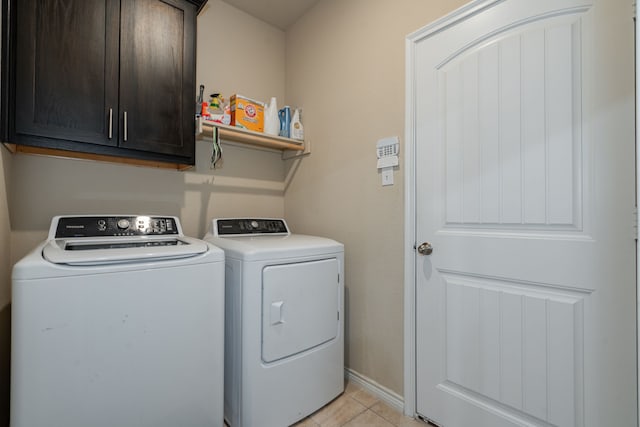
(425, 249)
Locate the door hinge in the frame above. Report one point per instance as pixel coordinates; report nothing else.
(635, 223)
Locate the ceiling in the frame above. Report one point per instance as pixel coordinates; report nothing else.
(279, 13)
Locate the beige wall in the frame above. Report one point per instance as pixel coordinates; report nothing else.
(5, 229)
(250, 182)
(5, 288)
(345, 66)
(239, 54)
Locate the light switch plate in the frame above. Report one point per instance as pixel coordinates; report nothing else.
(387, 176)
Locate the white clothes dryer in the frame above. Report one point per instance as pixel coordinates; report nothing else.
(118, 321)
(284, 333)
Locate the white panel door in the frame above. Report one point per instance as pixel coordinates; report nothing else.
(525, 310)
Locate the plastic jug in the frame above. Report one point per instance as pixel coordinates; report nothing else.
(271, 119)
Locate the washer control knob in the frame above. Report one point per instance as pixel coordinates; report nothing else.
(123, 224)
(254, 224)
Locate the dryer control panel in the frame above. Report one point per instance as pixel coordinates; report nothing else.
(249, 226)
(101, 226)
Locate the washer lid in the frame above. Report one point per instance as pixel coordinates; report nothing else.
(109, 250)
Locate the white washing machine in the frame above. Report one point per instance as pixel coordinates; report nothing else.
(284, 333)
(118, 321)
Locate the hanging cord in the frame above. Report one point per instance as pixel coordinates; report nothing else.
(216, 150)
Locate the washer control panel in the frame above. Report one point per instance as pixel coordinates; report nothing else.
(101, 226)
(250, 226)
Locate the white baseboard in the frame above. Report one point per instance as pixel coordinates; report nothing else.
(391, 398)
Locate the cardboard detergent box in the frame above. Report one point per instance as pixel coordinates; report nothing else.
(247, 113)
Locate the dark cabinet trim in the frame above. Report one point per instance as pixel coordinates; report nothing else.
(199, 4)
(160, 164)
(8, 20)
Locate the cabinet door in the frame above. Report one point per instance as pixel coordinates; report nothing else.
(66, 70)
(157, 76)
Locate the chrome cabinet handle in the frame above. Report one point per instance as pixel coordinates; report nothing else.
(425, 249)
(125, 125)
(110, 123)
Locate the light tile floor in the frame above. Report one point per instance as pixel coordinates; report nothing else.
(358, 408)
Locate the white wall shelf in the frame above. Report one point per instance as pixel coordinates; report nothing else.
(231, 133)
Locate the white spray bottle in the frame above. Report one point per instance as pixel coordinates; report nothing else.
(296, 131)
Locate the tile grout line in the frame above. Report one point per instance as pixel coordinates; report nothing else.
(384, 418)
(350, 397)
(356, 415)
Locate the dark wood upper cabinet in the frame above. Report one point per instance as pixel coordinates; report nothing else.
(110, 77)
(66, 69)
(157, 78)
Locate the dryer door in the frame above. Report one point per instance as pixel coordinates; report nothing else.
(300, 307)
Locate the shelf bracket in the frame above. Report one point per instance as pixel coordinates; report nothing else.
(295, 154)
